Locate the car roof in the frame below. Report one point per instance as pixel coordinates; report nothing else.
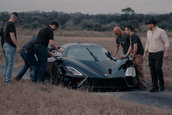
(80, 44)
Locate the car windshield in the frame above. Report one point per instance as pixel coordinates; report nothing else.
(90, 53)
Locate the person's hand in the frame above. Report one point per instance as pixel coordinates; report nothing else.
(144, 57)
(18, 49)
(132, 55)
(60, 50)
(122, 57)
(165, 55)
(54, 55)
(132, 58)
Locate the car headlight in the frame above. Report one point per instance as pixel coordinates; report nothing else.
(73, 70)
(130, 71)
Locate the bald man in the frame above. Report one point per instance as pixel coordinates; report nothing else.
(121, 39)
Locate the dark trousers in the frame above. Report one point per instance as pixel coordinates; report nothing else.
(30, 61)
(42, 55)
(155, 64)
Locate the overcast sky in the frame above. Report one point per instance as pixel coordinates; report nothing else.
(87, 6)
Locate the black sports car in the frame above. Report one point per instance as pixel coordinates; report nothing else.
(90, 65)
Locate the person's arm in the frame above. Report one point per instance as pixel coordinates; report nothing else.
(129, 51)
(53, 46)
(166, 42)
(51, 54)
(134, 42)
(134, 50)
(13, 38)
(166, 53)
(146, 49)
(116, 50)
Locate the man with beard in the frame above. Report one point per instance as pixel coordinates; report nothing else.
(157, 45)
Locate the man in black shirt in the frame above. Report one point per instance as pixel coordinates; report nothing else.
(9, 47)
(44, 37)
(136, 51)
(122, 39)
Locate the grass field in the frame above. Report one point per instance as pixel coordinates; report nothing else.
(24, 97)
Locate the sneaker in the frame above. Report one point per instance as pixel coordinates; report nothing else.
(153, 90)
(141, 88)
(162, 88)
(18, 78)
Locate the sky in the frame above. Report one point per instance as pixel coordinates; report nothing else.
(87, 6)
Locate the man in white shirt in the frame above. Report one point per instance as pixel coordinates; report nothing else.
(157, 46)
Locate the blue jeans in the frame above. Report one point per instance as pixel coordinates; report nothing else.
(10, 54)
(30, 61)
(42, 55)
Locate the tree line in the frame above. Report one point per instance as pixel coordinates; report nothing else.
(79, 21)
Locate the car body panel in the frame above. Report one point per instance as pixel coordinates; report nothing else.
(95, 65)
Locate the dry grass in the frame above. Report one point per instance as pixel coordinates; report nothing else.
(26, 98)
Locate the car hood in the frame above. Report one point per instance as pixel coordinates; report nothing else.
(103, 67)
(100, 67)
(96, 68)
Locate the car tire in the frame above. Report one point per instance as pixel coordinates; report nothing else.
(55, 77)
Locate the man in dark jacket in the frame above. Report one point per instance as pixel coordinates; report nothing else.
(28, 55)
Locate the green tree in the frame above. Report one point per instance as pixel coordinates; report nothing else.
(128, 11)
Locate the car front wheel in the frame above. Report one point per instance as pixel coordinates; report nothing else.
(55, 77)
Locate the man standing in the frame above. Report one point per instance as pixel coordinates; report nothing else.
(157, 45)
(44, 37)
(10, 45)
(137, 50)
(122, 39)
